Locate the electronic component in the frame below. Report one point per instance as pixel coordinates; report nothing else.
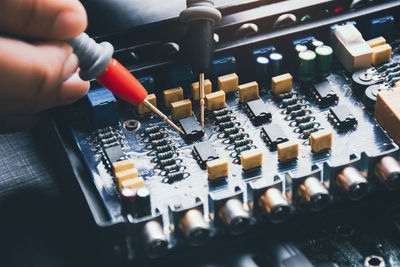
(388, 172)
(143, 202)
(384, 26)
(281, 84)
(273, 135)
(262, 69)
(196, 89)
(233, 214)
(324, 61)
(351, 181)
(381, 54)
(324, 94)
(314, 193)
(273, 203)
(235, 137)
(103, 108)
(172, 95)
(288, 150)
(342, 118)
(160, 149)
(175, 176)
(148, 83)
(156, 136)
(276, 63)
(387, 112)
(321, 140)
(123, 165)
(154, 239)
(248, 92)
(251, 159)
(133, 183)
(350, 48)
(376, 41)
(114, 153)
(165, 155)
(217, 168)
(228, 83)
(142, 109)
(222, 66)
(181, 109)
(258, 111)
(215, 100)
(204, 152)
(125, 175)
(194, 227)
(306, 65)
(192, 128)
(128, 200)
(361, 80)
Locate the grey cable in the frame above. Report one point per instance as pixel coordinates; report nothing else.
(200, 10)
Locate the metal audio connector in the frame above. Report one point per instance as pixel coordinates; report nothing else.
(388, 172)
(314, 193)
(275, 205)
(235, 216)
(194, 227)
(155, 242)
(351, 181)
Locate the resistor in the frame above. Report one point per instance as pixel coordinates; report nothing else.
(297, 113)
(303, 119)
(174, 176)
(107, 135)
(171, 168)
(229, 131)
(306, 126)
(104, 130)
(240, 149)
(307, 133)
(393, 74)
(223, 118)
(166, 162)
(387, 65)
(221, 112)
(165, 155)
(110, 140)
(156, 136)
(234, 137)
(289, 101)
(293, 108)
(164, 148)
(285, 95)
(161, 142)
(228, 124)
(242, 142)
(394, 69)
(151, 130)
(394, 80)
(111, 144)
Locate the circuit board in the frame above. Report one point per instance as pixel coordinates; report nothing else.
(178, 181)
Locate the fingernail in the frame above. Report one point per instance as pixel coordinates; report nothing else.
(69, 24)
(70, 66)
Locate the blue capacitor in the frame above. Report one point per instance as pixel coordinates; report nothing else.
(276, 62)
(148, 83)
(224, 66)
(262, 69)
(103, 108)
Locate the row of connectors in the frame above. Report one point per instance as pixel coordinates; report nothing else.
(234, 210)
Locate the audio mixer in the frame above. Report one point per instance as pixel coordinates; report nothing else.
(301, 118)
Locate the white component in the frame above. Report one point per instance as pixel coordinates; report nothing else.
(350, 47)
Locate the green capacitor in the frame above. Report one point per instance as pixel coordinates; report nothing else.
(306, 70)
(324, 60)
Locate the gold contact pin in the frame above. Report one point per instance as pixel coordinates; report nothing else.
(159, 113)
(202, 96)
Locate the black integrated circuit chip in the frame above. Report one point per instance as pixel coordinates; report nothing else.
(114, 153)
(192, 128)
(204, 152)
(273, 135)
(342, 118)
(258, 111)
(324, 94)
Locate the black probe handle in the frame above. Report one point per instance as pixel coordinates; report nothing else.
(200, 38)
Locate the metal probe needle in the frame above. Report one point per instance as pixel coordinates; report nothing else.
(164, 117)
(201, 85)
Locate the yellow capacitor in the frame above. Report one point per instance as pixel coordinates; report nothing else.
(381, 54)
(123, 165)
(134, 183)
(217, 168)
(251, 158)
(181, 109)
(281, 84)
(321, 140)
(125, 175)
(376, 41)
(172, 95)
(248, 91)
(288, 150)
(228, 83)
(215, 100)
(196, 89)
(141, 109)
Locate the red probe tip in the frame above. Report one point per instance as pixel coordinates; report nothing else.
(122, 83)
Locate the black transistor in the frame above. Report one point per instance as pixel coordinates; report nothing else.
(192, 128)
(114, 153)
(342, 118)
(258, 111)
(273, 135)
(204, 152)
(324, 95)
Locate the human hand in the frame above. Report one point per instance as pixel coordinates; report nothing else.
(37, 76)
